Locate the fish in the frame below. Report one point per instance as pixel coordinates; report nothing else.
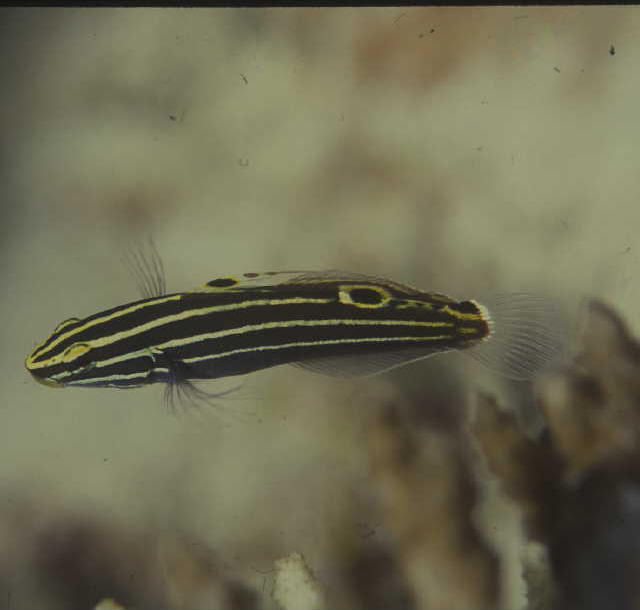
(331, 322)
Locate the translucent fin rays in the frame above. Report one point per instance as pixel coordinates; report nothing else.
(189, 396)
(528, 334)
(146, 267)
(365, 365)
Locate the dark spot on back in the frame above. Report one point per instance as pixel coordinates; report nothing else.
(222, 282)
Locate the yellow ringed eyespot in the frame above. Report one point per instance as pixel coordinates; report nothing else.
(364, 295)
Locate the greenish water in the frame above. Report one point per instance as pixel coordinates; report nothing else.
(461, 150)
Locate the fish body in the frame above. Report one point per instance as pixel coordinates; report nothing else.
(331, 322)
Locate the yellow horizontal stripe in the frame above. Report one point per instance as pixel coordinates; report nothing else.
(414, 303)
(311, 344)
(461, 316)
(111, 378)
(253, 328)
(203, 311)
(239, 330)
(107, 362)
(101, 320)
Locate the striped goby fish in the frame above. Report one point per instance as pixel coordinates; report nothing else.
(331, 322)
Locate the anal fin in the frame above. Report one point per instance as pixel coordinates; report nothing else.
(364, 365)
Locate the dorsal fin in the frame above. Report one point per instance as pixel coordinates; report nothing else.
(275, 278)
(145, 265)
(243, 281)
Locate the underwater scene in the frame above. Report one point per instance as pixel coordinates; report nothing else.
(320, 308)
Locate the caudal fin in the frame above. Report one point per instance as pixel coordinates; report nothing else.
(528, 334)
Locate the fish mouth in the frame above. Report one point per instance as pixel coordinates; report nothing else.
(51, 383)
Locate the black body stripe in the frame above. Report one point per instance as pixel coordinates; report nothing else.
(253, 360)
(256, 328)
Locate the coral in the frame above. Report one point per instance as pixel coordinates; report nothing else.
(295, 587)
(578, 485)
(428, 495)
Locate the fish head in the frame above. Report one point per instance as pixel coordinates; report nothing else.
(61, 359)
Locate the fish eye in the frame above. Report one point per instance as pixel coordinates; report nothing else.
(364, 296)
(75, 351)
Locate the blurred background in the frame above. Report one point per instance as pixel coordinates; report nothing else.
(462, 150)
